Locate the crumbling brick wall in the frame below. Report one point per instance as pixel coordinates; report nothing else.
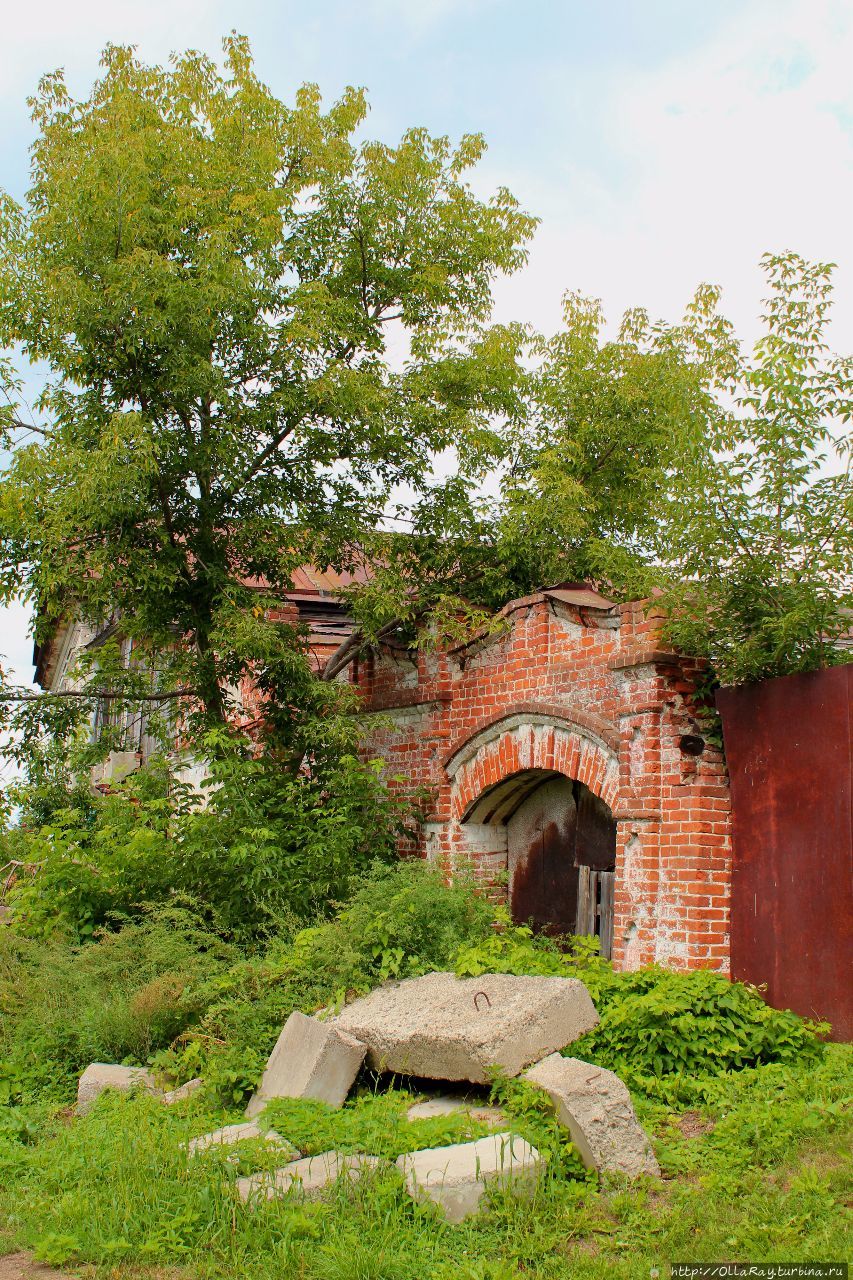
(568, 685)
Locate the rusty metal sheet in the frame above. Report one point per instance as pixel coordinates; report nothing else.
(541, 844)
(582, 597)
(595, 843)
(789, 749)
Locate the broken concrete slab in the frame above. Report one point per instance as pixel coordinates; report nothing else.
(311, 1059)
(99, 1076)
(448, 1105)
(596, 1108)
(446, 1028)
(232, 1133)
(305, 1178)
(183, 1091)
(455, 1178)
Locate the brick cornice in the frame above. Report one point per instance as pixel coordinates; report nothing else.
(405, 700)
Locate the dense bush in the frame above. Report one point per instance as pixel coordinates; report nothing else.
(167, 987)
(658, 1025)
(116, 999)
(265, 843)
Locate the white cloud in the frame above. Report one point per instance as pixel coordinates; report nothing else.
(743, 147)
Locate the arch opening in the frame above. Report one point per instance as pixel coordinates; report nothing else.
(560, 839)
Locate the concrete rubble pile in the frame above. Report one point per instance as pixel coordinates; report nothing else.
(442, 1028)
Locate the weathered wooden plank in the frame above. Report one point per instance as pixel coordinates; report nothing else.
(585, 921)
(606, 881)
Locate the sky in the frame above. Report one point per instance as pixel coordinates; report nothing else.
(661, 142)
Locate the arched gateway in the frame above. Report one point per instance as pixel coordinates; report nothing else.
(530, 787)
(560, 753)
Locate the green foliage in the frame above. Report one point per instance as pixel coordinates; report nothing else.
(263, 843)
(269, 844)
(408, 923)
(512, 948)
(371, 1122)
(759, 532)
(94, 856)
(667, 1030)
(117, 999)
(219, 406)
(606, 424)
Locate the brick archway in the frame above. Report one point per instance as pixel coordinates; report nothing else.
(529, 745)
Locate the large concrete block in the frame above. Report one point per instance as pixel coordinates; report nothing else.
(311, 1059)
(596, 1108)
(455, 1178)
(449, 1028)
(232, 1133)
(99, 1076)
(305, 1179)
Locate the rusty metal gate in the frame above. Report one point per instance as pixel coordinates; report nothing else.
(789, 750)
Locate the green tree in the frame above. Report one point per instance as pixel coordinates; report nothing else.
(607, 424)
(757, 534)
(210, 277)
(590, 435)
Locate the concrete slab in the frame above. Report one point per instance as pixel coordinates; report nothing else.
(455, 1178)
(232, 1133)
(448, 1105)
(100, 1076)
(446, 1028)
(307, 1178)
(311, 1059)
(183, 1091)
(596, 1108)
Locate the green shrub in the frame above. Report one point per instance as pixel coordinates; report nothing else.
(266, 843)
(97, 856)
(658, 1024)
(116, 999)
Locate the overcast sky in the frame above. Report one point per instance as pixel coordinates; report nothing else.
(662, 142)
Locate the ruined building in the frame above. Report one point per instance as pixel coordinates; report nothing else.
(558, 752)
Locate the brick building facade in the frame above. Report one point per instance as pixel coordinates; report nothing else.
(558, 752)
(561, 755)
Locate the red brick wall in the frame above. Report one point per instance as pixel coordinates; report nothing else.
(589, 694)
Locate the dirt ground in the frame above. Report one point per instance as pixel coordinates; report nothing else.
(22, 1266)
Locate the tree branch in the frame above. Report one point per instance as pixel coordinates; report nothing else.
(107, 695)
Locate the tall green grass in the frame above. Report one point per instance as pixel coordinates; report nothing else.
(767, 1181)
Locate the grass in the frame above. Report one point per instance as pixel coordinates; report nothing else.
(759, 1172)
